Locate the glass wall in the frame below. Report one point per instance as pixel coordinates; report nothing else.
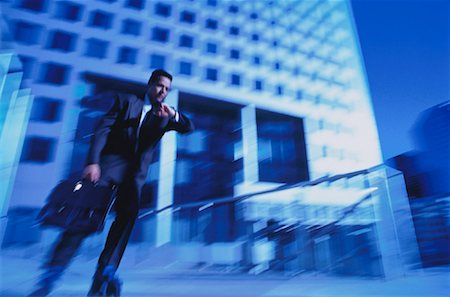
(208, 166)
(281, 148)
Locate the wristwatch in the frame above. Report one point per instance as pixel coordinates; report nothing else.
(175, 114)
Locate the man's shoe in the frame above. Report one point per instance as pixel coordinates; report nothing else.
(105, 284)
(40, 292)
(98, 287)
(106, 288)
(114, 287)
(47, 281)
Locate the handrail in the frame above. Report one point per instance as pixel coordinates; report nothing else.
(239, 198)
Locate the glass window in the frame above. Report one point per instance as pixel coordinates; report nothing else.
(233, 9)
(136, 4)
(254, 16)
(131, 27)
(101, 19)
(46, 109)
(186, 41)
(54, 73)
(235, 79)
(211, 24)
(61, 40)
(280, 90)
(187, 17)
(127, 55)
(277, 65)
(38, 149)
(234, 30)
(255, 37)
(96, 48)
(299, 95)
(34, 5)
(157, 61)
(211, 48)
(257, 60)
(258, 85)
(211, 74)
(27, 33)
(185, 68)
(160, 34)
(212, 3)
(283, 139)
(235, 54)
(163, 9)
(27, 66)
(69, 11)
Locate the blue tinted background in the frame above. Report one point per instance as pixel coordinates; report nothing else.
(405, 45)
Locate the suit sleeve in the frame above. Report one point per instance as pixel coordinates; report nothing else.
(183, 125)
(102, 130)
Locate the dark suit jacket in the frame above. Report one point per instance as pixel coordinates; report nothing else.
(117, 147)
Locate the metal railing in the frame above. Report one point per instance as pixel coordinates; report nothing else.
(211, 202)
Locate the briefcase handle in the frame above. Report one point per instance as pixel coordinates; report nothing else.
(79, 184)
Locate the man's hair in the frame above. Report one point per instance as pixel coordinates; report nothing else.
(156, 74)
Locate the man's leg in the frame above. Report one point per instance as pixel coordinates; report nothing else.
(127, 207)
(60, 257)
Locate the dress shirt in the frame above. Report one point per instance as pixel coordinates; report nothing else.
(147, 108)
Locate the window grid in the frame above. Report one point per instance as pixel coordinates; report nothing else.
(60, 40)
(55, 73)
(160, 34)
(101, 19)
(212, 74)
(185, 68)
(131, 27)
(38, 149)
(96, 48)
(187, 17)
(73, 11)
(127, 55)
(157, 61)
(162, 9)
(186, 41)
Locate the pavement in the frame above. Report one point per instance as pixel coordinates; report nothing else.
(19, 268)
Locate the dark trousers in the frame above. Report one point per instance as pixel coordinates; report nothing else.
(127, 209)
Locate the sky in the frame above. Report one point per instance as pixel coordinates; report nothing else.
(405, 46)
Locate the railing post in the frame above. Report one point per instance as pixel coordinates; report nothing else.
(396, 237)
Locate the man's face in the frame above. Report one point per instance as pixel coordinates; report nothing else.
(158, 90)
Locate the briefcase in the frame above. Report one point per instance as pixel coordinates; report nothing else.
(78, 206)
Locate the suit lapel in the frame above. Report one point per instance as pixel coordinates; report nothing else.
(134, 113)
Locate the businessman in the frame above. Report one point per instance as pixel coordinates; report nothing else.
(120, 154)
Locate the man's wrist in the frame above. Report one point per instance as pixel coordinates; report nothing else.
(175, 116)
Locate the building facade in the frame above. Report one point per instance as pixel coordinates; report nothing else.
(276, 89)
(296, 60)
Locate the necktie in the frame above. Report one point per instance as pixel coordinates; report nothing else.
(144, 124)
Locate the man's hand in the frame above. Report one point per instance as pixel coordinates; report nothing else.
(165, 111)
(92, 173)
(169, 110)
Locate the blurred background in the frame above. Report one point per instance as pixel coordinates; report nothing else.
(321, 144)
